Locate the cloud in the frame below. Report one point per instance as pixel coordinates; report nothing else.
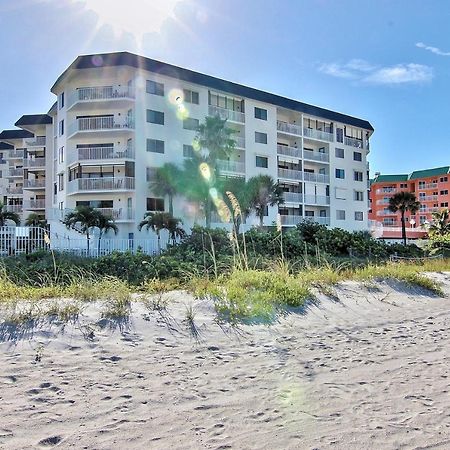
(363, 71)
(435, 50)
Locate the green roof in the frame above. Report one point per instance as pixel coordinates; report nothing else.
(390, 178)
(429, 173)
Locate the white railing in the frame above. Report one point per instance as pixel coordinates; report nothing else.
(100, 123)
(294, 152)
(293, 197)
(16, 172)
(386, 190)
(240, 141)
(38, 141)
(295, 220)
(14, 208)
(318, 134)
(119, 214)
(231, 166)
(316, 156)
(383, 201)
(428, 198)
(14, 190)
(37, 162)
(289, 128)
(353, 142)
(101, 184)
(427, 186)
(386, 213)
(319, 220)
(14, 154)
(316, 177)
(290, 174)
(317, 199)
(39, 183)
(35, 204)
(99, 153)
(88, 94)
(229, 114)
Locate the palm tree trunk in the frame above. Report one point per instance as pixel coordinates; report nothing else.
(171, 205)
(261, 218)
(208, 213)
(159, 243)
(403, 228)
(87, 237)
(98, 248)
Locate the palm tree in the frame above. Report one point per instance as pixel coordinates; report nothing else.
(237, 199)
(263, 192)
(404, 201)
(104, 225)
(156, 221)
(82, 219)
(165, 182)
(172, 225)
(6, 216)
(440, 225)
(35, 220)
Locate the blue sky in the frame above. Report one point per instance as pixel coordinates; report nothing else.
(385, 61)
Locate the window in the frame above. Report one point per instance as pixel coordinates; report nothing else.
(422, 220)
(1, 174)
(421, 184)
(262, 161)
(191, 124)
(444, 205)
(403, 185)
(188, 151)
(191, 96)
(61, 100)
(260, 113)
(155, 204)
(155, 88)
(309, 213)
(354, 133)
(357, 156)
(260, 138)
(339, 135)
(359, 216)
(340, 214)
(61, 155)
(357, 176)
(443, 179)
(339, 152)
(61, 127)
(155, 146)
(340, 173)
(156, 117)
(359, 196)
(444, 192)
(60, 182)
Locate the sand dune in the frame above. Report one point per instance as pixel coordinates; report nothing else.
(370, 370)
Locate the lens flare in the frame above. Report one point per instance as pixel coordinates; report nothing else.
(205, 171)
(182, 112)
(176, 96)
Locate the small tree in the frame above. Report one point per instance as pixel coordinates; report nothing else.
(440, 225)
(104, 225)
(263, 192)
(35, 220)
(8, 216)
(156, 221)
(82, 219)
(404, 201)
(166, 182)
(173, 226)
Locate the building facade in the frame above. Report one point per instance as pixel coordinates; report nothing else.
(119, 116)
(431, 188)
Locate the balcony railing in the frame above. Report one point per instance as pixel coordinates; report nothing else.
(38, 141)
(16, 172)
(114, 213)
(316, 177)
(240, 141)
(289, 128)
(383, 201)
(294, 220)
(98, 93)
(386, 190)
(320, 220)
(231, 166)
(223, 113)
(428, 198)
(317, 199)
(293, 197)
(427, 186)
(14, 190)
(32, 163)
(99, 153)
(316, 156)
(35, 204)
(318, 134)
(14, 154)
(290, 174)
(14, 208)
(101, 184)
(294, 152)
(353, 142)
(99, 124)
(386, 213)
(33, 184)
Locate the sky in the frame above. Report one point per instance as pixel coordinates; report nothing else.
(384, 61)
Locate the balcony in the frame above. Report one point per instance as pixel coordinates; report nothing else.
(36, 163)
(428, 198)
(85, 126)
(240, 141)
(386, 213)
(38, 141)
(14, 190)
(319, 220)
(99, 154)
(317, 200)
(386, 190)
(293, 152)
(101, 96)
(352, 142)
(118, 214)
(101, 184)
(318, 134)
(290, 174)
(228, 114)
(427, 186)
(289, 128)
(316, 177)
(295, 220)
(35, 204)
(34, 184)
(18, 209)
(383, 201)
(14, 154)
(293, 197)
(15, 173)
(231, 166)
(316, 156)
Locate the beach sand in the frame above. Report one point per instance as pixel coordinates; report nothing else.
(369, 369)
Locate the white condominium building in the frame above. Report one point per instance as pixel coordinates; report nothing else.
(119, 116)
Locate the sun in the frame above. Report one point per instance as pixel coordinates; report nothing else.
(136, 17)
